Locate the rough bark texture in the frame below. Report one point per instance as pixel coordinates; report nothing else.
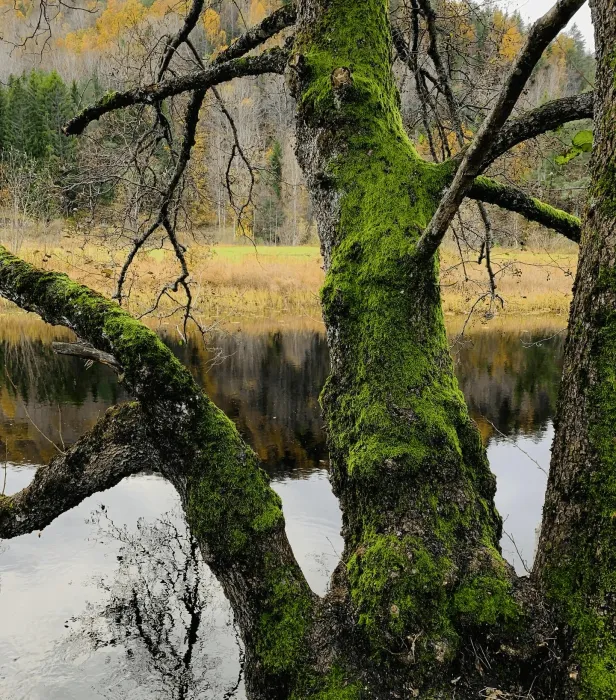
(118, 447)
(230, 508)
(576, 562)
(422, 567)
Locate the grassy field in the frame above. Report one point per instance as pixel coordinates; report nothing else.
(241, 281)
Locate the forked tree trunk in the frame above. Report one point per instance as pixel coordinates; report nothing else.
(576, 562)
(422, 603)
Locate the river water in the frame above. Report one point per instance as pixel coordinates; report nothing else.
(92, 606)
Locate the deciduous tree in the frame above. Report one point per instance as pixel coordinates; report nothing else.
(422, 603)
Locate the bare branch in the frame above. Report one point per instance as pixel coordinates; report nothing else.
(443, 80)
(487, 190)
(539, 37)
(87, 352)
(191, 122)
(409, 56)
(259, 34)
(182, 35)
(273, 61)
(444, 85)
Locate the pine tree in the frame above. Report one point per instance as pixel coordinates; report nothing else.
(17, 114)
(38, 138)
(57, 109)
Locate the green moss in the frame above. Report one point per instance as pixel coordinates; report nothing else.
(403, 591)
(281, 635)
(230, 502)
(487, 600)
(534, 209)
(557, 215)
(406, 457)
(108, 97)
(400, 590)
(334, 686)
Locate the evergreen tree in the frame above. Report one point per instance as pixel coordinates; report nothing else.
(57, 107)
(272, 212)
(38, 137)
(17, 115)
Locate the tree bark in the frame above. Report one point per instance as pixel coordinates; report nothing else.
(576, 561)
(230, 508)
(117, 447)
(422, 567)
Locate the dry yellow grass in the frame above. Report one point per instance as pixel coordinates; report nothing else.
(528, 282)
(240, 281)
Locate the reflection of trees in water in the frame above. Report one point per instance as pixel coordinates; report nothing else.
(58, 395)
(269, 384)
(511, 381)
(159, 608)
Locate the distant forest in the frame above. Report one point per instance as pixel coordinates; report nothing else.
(243, 177)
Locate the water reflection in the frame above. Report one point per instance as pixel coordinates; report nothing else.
(158, 609)
(268, 382)
(66, 584)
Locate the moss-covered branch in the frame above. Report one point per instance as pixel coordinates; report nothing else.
(230, 507)
(511, 198)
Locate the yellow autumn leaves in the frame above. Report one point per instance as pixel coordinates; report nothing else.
(121, 16)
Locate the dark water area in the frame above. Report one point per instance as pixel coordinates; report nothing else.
(67, 622)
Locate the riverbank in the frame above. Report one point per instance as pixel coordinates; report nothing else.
(231, 281)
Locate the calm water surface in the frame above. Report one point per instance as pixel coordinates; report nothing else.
(71, 596)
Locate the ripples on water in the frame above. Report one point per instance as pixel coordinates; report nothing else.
(69, 598)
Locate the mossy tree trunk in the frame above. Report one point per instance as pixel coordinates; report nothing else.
(174, 428)
(422, 568)
(422, 603)
(576, 562)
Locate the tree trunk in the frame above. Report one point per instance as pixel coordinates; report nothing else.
(422, 569)
(576, 561)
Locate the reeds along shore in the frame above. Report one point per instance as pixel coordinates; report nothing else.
(230, 281)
